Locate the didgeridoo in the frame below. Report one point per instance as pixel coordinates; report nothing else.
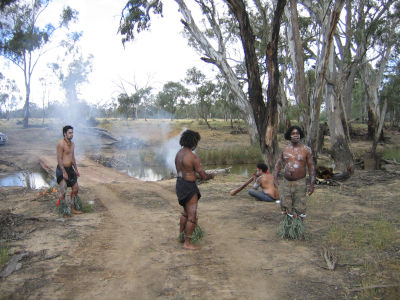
(234, 192)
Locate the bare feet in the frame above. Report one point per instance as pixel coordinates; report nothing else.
(67, 216)
(74, 211)
(189, 246)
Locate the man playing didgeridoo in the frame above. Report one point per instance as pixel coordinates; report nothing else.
(295, 158)
(269, 192)
(189, 168)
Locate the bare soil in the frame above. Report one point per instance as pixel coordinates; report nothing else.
(127, 247)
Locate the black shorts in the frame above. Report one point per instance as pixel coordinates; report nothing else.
(185, 190)
(72, 178)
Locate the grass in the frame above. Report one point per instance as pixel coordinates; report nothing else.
(392, 154)
(362, 234)
(372, 242)
(4, 254)
(87, 207)
(233, 155)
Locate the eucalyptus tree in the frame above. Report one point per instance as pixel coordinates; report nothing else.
(210, 42)
(23, 41)
(9, 95)
(378, 37)
(391, 90)
(259, 114)
(205, 92)
(126, 105)
(171, 95)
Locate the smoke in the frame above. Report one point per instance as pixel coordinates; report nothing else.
(169, 149)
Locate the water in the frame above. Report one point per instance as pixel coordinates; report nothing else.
(33, 180)
(152, 173)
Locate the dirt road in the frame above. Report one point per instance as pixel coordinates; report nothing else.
(135, 252)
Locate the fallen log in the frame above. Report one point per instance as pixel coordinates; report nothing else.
(391, 162)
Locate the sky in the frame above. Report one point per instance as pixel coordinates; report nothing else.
(152, 59)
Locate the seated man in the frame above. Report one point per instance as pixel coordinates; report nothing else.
(263, 179)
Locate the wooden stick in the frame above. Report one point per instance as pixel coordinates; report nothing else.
(234, 192)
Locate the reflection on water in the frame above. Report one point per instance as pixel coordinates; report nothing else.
(34, 180)
(243, 170)
(152, 173)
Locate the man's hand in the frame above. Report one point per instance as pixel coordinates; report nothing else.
(77, 173)
(65, 175)
(311, 189)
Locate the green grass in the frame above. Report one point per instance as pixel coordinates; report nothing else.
(87, 207)
(362, 235)
(4, 255)
(392, 154)
(234, 155)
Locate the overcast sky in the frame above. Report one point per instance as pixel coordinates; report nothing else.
(153, 58)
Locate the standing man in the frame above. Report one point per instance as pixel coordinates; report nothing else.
(67, 171)
(189, 168)
(269, 192)
(295, 158)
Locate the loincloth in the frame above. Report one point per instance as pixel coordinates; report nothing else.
(185, 190)
(72, 178)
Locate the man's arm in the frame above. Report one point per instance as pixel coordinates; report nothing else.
(311, 171)
(199, 169)
(60, 151)
(256, 184)
(74, 162)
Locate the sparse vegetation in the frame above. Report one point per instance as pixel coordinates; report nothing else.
(392, 154)
(4, 255)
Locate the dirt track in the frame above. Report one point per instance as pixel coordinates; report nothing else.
(128, 248)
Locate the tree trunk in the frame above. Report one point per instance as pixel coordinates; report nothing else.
(26, 106)
(372, 79)
(328, 30)
(271, 141)
(340, 149)
(266, 117)
(296, 54)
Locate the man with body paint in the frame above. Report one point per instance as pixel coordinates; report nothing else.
(295, 159)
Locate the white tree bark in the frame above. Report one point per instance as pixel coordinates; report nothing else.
(218, 58)
(328, 26)
(340, 149)
(295, 46)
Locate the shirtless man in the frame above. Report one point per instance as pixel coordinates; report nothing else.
(67, 171)
(189, 168)
(296, 158)
(263, 179)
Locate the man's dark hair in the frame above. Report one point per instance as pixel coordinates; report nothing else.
(66, 128)
(289, 132)
(263, 167)
(189, 138)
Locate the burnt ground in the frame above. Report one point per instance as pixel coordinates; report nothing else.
(127, 248)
